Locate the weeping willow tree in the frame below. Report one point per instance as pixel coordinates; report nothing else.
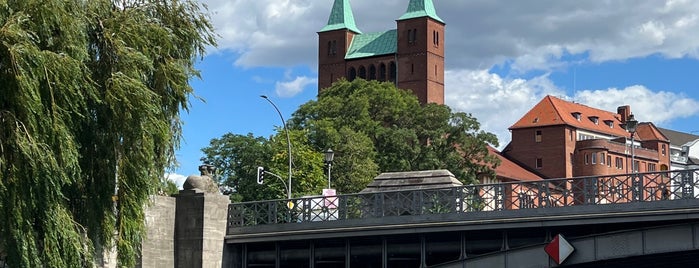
(90, 96)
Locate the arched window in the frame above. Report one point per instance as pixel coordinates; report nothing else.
(372, 72)
(330, 48)
(393, 71)
(352, 74)
(382, 72)
(362, 72)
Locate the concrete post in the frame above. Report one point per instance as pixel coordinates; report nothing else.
(200, 227)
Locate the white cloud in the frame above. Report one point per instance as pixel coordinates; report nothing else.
(178, 179)
(498, 103)
(291, 88)
(533, 35)
(647, 105)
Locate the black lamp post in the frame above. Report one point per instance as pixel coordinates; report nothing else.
(631, 125)
(329, 155)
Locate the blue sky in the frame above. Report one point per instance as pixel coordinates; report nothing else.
(502, 57)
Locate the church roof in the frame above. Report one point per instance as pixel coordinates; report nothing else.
(552, 111)
(420, 8)
(373, 44)
(341, 17)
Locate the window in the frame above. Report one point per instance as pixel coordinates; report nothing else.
(663, 149)
(412, 68)
(435, 38)
(635, 166)
(334, 48)
(619, 163)
(362, 72)
(594, 119)
(594, 158)
(537, 136)
(576, 115)
(609, 123)
(609, 161)
(601, 158)
(587, 159)
(539, 163)
(352, 74)
(382, 72)
(372, 72)
(393, 71)
(651, 167)
(412, 36)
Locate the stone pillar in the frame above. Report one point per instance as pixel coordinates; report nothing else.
(158, 247)
(200, 224)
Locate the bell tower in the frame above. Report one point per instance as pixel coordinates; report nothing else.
(333, 41)
(420, 52)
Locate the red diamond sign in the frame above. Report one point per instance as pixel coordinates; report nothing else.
(559, 249)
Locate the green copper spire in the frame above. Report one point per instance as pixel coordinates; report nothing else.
(420, 8)
(341, 17)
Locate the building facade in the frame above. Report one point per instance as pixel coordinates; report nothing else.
(562, 139)
(411, 56)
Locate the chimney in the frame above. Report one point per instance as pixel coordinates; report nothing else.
(624, 112)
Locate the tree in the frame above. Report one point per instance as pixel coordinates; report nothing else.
(402, 135)
(238, 157)
(90, 96)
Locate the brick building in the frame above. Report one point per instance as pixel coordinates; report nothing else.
(562, 139)
(411, 56)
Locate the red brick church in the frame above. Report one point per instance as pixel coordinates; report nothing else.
(411, 56)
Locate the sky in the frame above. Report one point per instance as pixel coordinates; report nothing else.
(502, 57)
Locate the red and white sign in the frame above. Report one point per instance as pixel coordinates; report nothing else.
(559, 249)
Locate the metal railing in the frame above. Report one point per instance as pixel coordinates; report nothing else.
(582, 191)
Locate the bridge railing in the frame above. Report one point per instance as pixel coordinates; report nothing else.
(581, 191)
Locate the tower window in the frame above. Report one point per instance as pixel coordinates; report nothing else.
(412, 68)
(334, 48)
(539, 163)
(435, 38)
(412, 36)
(537, 136)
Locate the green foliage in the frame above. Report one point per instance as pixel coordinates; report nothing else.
(90, 95)
(238, 156)
(382, 128)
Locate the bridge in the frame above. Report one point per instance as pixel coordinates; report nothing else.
(639, 220)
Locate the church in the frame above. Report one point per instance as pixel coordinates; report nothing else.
(411, 55)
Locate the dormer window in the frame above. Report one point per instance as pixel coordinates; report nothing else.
(577, 115)
(609, 123)
(594, 119)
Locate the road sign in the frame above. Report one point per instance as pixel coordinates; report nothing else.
(559, 249)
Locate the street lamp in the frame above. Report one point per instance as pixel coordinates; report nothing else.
(288, 141)
(631, 124)
(329, 155)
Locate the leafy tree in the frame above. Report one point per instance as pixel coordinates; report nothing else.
(90, 96)
(402, 135)
(238, 157)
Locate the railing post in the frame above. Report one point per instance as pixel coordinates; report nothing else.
(636, 187)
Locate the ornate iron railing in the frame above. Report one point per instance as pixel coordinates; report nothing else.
(601, 190)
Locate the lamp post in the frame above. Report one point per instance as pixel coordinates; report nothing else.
(288, 142)
(329, 155)
(631, 124)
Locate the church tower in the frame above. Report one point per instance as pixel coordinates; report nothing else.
(420, 52)
(411, 56)
(333, 41)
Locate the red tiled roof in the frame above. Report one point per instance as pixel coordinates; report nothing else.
(510, 170)
(552, 111)
(648, 132)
